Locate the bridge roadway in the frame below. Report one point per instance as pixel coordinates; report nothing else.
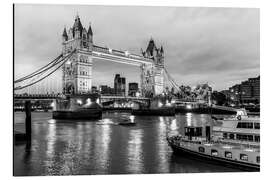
(125, 57)
(56, 96)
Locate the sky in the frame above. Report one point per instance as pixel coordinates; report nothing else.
(218, 46)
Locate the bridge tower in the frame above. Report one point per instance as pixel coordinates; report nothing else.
(152, 79)
(77, 71)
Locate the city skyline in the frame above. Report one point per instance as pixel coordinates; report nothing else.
(215, 45)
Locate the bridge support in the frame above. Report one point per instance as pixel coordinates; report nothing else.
(152, 75)
(28, 120)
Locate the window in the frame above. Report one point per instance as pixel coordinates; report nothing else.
(231, 136)
(228, 154)
(258, 159)
(257, 138)
(244, 157)
(201, 149)
(257, 125)
(250, 137)
(250, 125)
(214, 152)
(242, 137)
(225, 135)
(245, 125)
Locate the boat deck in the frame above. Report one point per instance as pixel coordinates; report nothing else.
(226, 145)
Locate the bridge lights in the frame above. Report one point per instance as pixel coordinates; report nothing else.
(168, 103)
(110, 51)
(188, 106)
(126, 53)
(79, 101)
(88, 102)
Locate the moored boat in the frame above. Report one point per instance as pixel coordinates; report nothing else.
(234, 142)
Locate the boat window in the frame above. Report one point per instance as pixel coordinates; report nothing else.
(214, 152)
(257, 125)
(231, 136)
(257, 138)
(244, 157)
(248, 125)
(250, 137)
(225, 135)
(228, 154)
(258, 159)
(242, 137)
(201, 149)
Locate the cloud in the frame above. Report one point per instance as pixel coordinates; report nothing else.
(201, 44)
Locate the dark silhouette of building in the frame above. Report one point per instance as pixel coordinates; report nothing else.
(106, 90)
(247, 92)
(119, 85)
(94, 89)
(133, 89)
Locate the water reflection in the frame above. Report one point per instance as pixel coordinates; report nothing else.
(162, 165)
(102, 143)
(50, 137)
(74, 147)
(134, 151)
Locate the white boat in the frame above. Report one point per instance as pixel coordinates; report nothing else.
(241, 114)
(235, 142)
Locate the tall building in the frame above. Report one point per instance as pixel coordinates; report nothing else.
(248, 91)
(133, 89)
(119, 85)
(77, 72)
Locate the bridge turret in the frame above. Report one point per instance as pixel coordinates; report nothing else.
(152, 79)
(77, 72)
(90, 34)
(77, 28)
(64, 35)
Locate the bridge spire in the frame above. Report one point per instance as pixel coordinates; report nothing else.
(90, 32)
(64, 35)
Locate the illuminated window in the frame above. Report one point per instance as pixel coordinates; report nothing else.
(244, 157)
(228, 154)
(214, 152)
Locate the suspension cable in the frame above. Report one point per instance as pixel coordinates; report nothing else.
(63, 61)
(48, 66)
(171, 79)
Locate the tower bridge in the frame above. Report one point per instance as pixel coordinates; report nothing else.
(77, 73)
(79, 52)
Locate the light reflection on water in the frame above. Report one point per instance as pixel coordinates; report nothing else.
(134, 149)
(86, 147)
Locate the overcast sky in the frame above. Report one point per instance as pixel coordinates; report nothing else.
(220, 46)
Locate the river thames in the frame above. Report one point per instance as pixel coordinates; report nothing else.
(65, 147)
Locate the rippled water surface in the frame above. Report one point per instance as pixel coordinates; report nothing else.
(63, 147)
